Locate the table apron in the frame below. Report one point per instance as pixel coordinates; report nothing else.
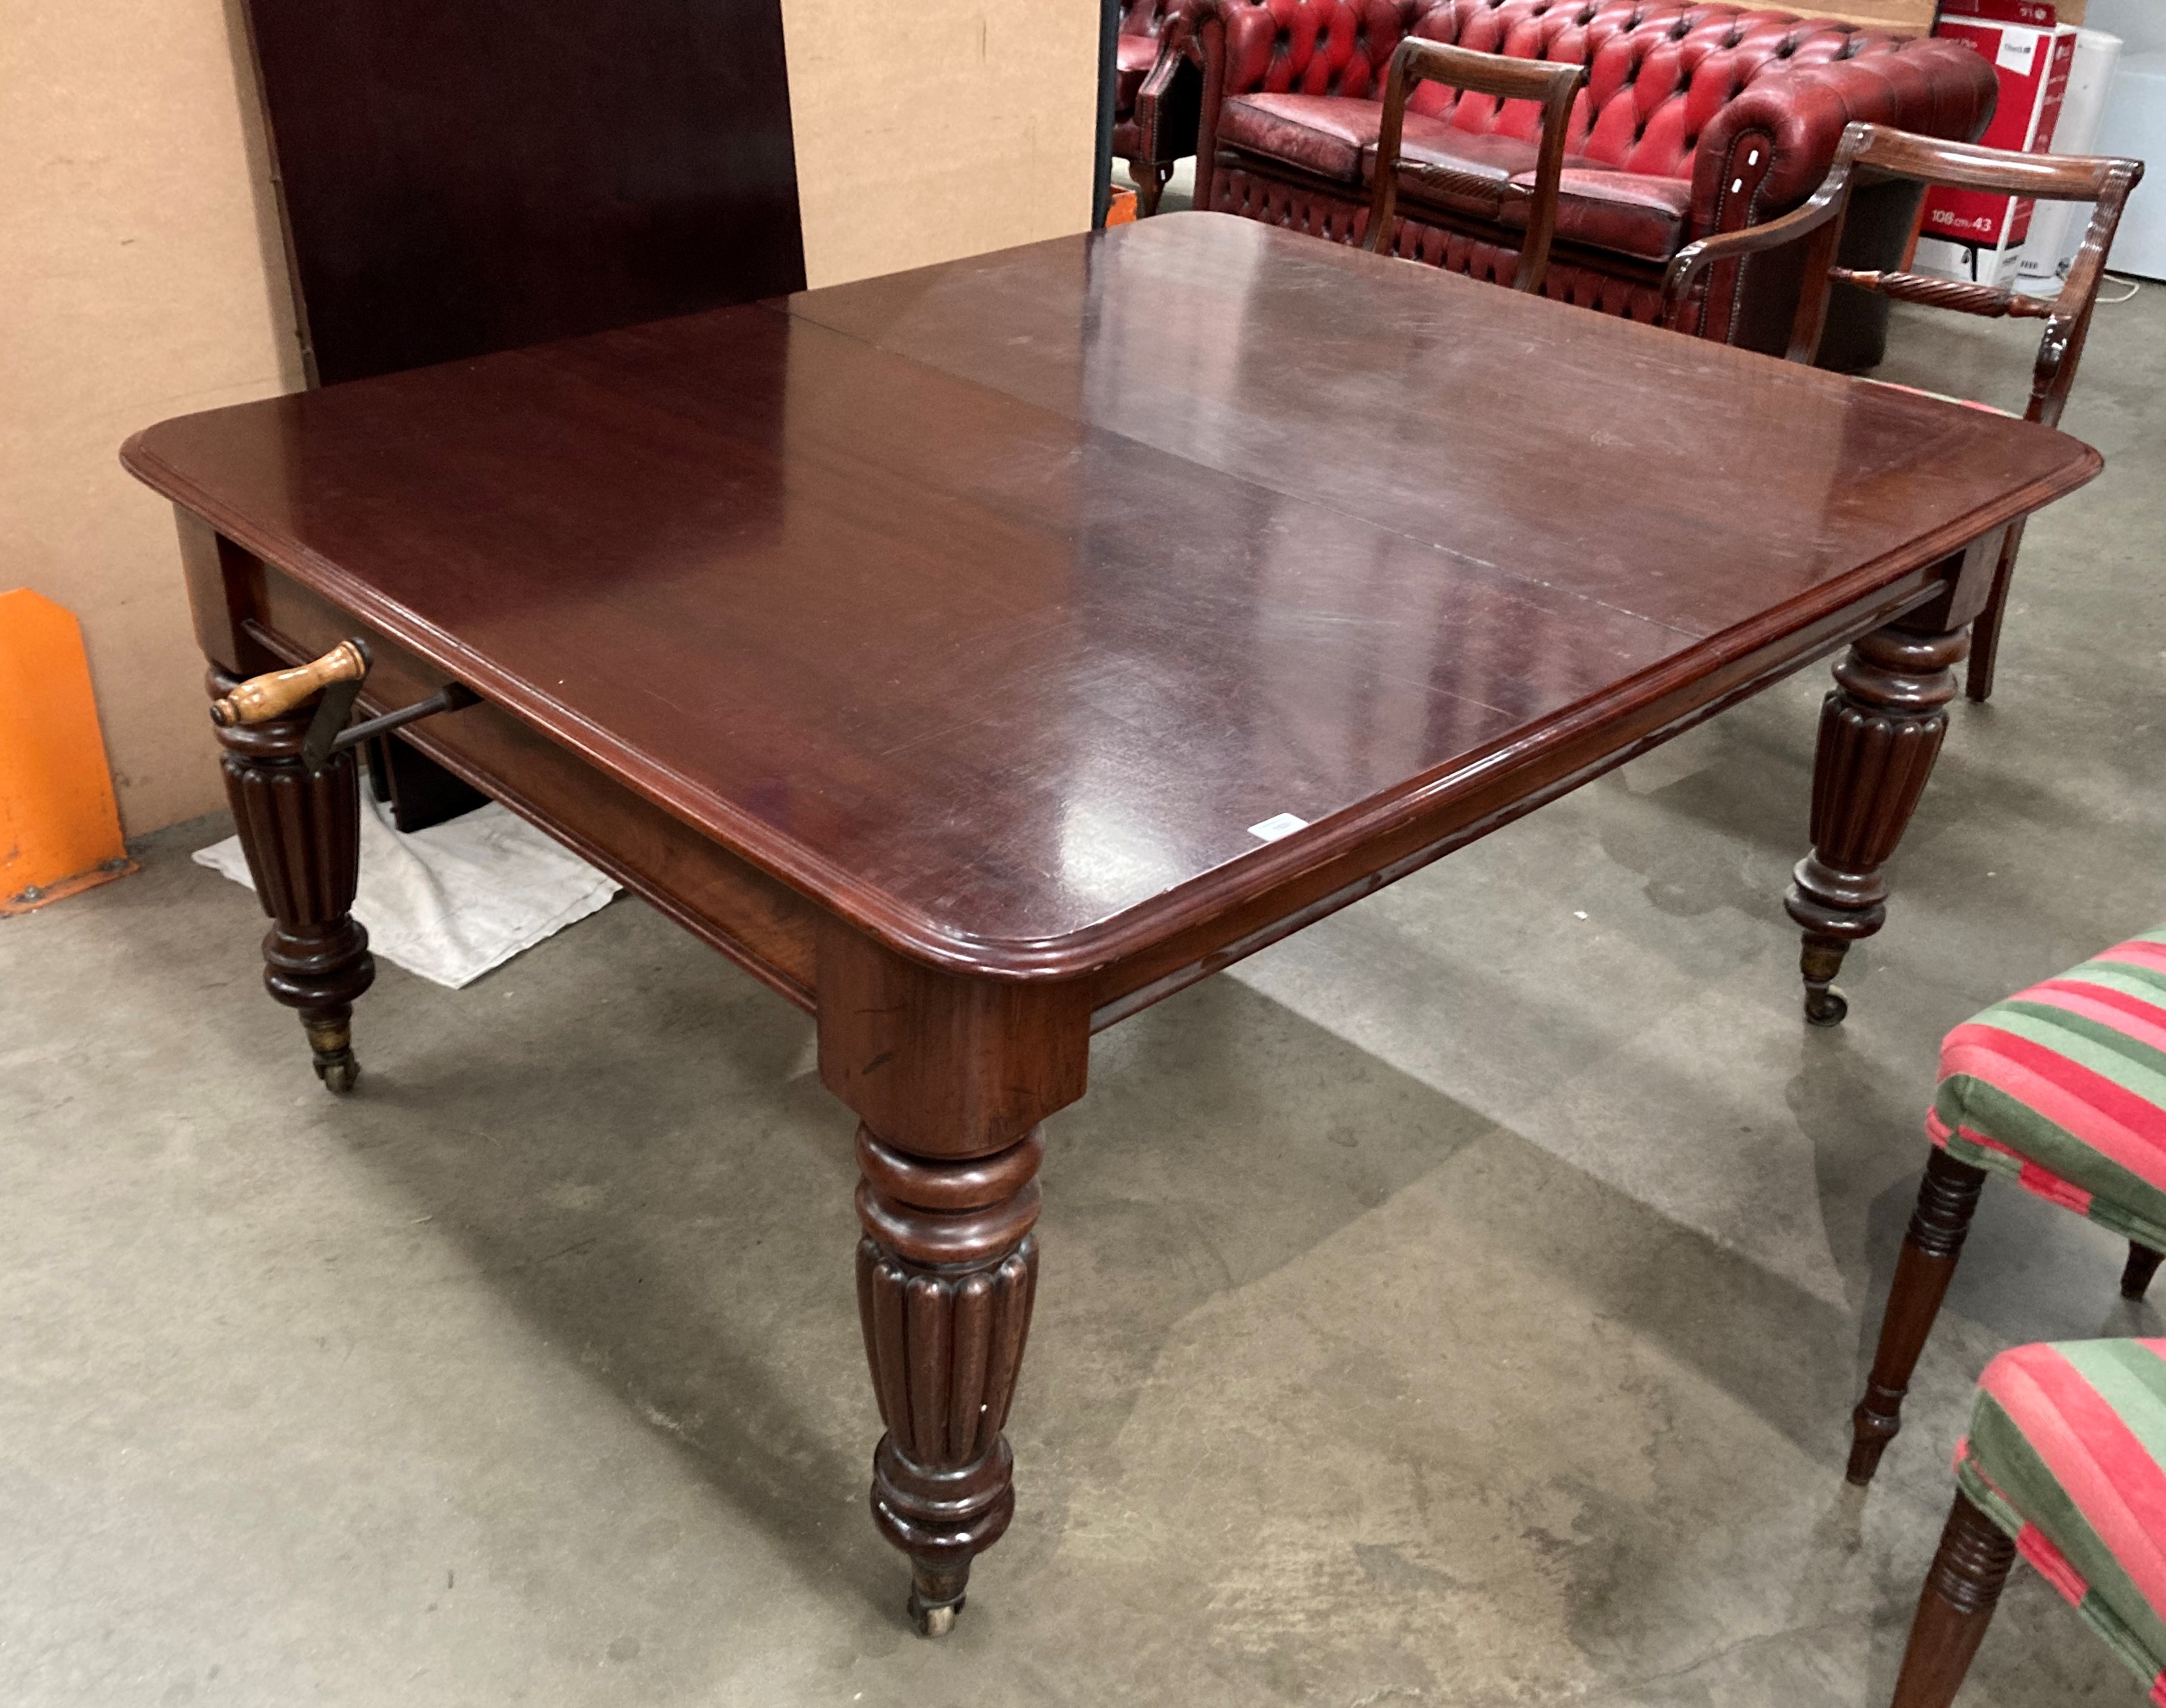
(1136, 982)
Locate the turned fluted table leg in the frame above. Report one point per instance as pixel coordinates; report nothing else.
(1881, 727)
(946, 1272)
(301, 831)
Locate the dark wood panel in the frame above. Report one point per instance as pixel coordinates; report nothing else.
(460, 178)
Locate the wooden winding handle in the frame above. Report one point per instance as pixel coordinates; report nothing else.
(261, 698)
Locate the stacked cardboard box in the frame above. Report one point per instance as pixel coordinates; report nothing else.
(1971, 233)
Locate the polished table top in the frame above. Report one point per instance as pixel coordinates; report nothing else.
(992, 604)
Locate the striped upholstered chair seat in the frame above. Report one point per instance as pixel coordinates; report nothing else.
(2063, 1466)
(2062, 1089)
(2065, 1456)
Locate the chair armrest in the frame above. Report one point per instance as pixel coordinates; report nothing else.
(1416, 61)
(1825, 206)
(1765, 149)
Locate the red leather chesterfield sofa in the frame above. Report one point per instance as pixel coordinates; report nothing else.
(1695, 119)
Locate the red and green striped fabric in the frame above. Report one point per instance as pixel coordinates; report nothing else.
(2062, 1087)
(2065, 1454)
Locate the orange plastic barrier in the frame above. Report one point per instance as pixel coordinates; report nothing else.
(59, 831)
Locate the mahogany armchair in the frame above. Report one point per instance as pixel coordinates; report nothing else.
(1870, 153)
(1417, 61)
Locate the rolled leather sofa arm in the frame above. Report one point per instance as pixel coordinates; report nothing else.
(1199, 36)
(1768, 148)
(1168, 104)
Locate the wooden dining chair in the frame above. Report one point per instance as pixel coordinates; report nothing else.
(2061, 1466)
(1870, 153)
(2062, 1089)
(1415, 61)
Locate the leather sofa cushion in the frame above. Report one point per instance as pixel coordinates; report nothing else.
(1135, 55)
(1335, 136)
(1625, 213)
(1321, 133)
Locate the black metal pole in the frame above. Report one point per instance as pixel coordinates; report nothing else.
(1101, 188)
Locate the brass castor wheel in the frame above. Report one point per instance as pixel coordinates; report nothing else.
(330, 1041)
(935, 1619)
(1825, 1007)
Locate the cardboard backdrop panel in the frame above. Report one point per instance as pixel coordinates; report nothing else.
(138, 279)
(1915, 16)
(939, 128)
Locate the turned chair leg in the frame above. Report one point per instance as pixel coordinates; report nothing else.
(1961, 1589)
(1985, 626)
(1947, 1198)
(2143, 1265)
(1151, 177)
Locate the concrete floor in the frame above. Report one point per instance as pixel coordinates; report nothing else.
(1461, 1302)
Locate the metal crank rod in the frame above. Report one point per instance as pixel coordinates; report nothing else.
(337, 676)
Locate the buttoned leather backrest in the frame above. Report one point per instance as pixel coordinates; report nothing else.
(1659, 71)
(1315, 47)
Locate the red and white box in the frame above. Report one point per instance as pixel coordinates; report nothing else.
(1972, 234)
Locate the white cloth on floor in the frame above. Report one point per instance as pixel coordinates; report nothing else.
(450, 902)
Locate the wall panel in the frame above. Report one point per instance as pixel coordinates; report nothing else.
(930, 129)
(137, 280)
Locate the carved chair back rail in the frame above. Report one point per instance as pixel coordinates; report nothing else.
(1415, 61)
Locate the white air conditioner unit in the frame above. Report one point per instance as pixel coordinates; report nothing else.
(2134, 124)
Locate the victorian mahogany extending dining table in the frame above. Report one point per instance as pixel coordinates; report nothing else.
(978, 654)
